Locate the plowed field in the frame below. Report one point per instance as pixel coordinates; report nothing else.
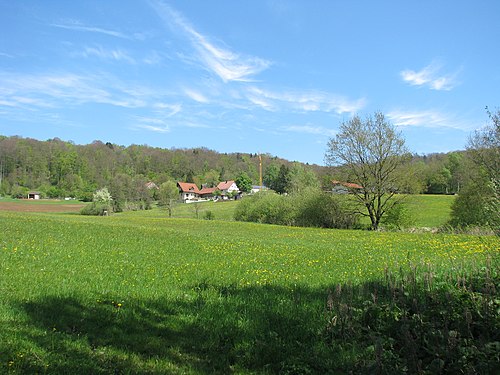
(26, 206)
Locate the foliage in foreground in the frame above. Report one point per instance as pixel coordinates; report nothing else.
(123, 294)
(411, 322)
(478, 203)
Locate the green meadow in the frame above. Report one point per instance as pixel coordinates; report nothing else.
(430, 211)
(141, 293)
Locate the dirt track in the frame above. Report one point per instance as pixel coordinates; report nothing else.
(39, 207)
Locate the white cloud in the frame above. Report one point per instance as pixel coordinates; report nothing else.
(106, 54)
(309, 129)
(78, 26)
(152, 124)
(173, 108)
(56, 90)
(432, 77)
(228, 65)
(196, 95)
(156, 129)
(427, 119)
(306, 101)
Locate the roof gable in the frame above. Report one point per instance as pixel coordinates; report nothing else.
(224, 185)
(187, 187)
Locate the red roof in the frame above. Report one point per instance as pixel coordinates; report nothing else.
(187, 187)
(347, 184)
(207, 190)
(225, 185)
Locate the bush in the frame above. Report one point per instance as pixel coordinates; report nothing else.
(19, 192)
(324, 210)
(266, 207)
(468, 209)
(398, 217)
(53, 192)
(96, 209)
(309, 209)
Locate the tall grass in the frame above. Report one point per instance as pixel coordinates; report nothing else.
(127, 294)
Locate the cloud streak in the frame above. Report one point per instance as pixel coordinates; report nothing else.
(56, 90)
(227, 65)
(309, 129)
(431, 77)
(427, 119)
(106, 54)
(304, 101)
(78, 26)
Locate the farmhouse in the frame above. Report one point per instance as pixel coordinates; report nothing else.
(190, 192)
(227, 187)
(340, 187)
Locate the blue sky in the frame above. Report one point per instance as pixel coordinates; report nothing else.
(276, 76)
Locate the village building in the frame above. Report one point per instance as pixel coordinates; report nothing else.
(190, 192)
(340, 187)
(34, 195)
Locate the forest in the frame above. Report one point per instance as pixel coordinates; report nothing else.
(59, 169)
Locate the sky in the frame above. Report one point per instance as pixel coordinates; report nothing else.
(253, 76)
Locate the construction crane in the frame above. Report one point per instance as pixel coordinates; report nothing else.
(260, 172)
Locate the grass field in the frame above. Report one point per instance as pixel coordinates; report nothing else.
(137, 294)
(430, 211)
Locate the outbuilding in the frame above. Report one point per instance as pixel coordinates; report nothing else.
(34, 195)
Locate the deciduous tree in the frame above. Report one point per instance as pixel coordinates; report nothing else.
(168, 195)
(372, 151)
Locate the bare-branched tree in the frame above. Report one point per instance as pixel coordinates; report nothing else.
(372, 151)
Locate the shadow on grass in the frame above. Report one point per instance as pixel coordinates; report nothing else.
(371, 328)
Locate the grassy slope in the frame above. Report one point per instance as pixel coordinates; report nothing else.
(430, 210)
(137, 294)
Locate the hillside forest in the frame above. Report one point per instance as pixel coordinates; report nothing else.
(61, 169)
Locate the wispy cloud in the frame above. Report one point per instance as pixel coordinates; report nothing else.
(152, 124)
(156, 129)
(196, 95)
(78, 26)
(172, 109)
(310, 129)
(226, 64)
(3, 54)
(427, 119)
(431, 77)
(56, 90)
(106, 54)
(306, 101)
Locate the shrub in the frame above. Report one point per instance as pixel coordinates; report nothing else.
(96, 209)
(468, 209)
(53, 192)
(309, 209)
(101, 204)
(398, 217)
(324, 210)
(266, 207)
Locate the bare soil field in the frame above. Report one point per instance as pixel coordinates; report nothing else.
(25, 206)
